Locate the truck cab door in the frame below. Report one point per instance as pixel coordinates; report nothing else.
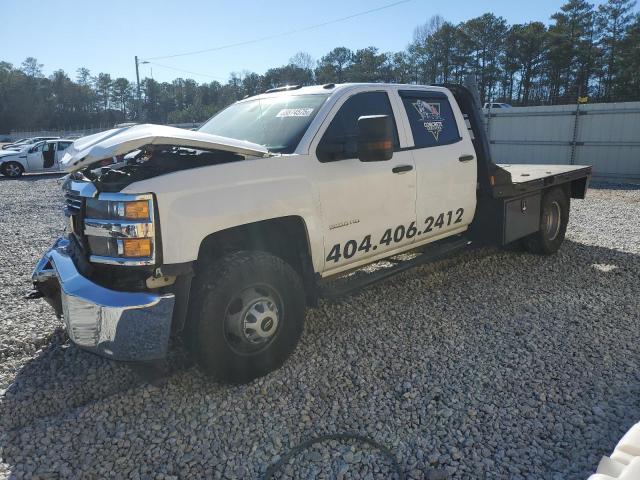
(445, 162)
(368, 208)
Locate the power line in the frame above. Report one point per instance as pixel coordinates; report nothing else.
(282, 34)
(186, 71)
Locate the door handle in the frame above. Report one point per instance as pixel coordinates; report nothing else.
(402, 168)
(465, 158)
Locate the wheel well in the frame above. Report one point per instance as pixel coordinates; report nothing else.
(284, 237)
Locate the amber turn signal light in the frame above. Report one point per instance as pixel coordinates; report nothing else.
(136, 210)
(381, 145)
(136, 247)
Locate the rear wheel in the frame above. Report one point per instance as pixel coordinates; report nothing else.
(12, 169)
(246, 315)
(554, 217)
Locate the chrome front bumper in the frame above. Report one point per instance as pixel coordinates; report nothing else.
(131, 326)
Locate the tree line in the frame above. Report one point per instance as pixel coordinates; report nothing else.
(583, 52)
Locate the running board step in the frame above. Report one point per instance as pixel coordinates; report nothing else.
(431, 253)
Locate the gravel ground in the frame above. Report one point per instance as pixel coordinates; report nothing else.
(493, 364)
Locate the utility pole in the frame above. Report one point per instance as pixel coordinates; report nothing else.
(138, 62)
(138, 87)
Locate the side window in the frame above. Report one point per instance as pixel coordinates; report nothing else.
(431, 119)
(63, 146)
(340, 140)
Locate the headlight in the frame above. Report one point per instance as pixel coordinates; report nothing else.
(118, 210)
(120, 229)
(136, 210)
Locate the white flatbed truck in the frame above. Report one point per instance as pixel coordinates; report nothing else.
(225, 235)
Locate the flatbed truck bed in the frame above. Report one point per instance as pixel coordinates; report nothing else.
(524, 178)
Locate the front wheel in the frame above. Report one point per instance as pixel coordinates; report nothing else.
(12, 169)
(554, 217)
(246, 315)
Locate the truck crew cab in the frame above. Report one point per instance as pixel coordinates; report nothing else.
(225, 235)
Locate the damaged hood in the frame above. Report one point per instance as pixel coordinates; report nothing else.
(119, 141)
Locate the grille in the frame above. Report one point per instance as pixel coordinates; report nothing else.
(74, 202)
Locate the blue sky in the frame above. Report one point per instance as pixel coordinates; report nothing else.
(105, 36)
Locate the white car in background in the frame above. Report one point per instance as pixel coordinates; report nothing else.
(495, 105)
(43, 156)
(19, 144)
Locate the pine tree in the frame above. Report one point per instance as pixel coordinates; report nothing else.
(613, 20)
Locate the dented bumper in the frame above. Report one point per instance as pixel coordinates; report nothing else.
(130, 326)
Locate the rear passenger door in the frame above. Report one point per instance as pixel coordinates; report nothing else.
(445, 163)
(60, 149)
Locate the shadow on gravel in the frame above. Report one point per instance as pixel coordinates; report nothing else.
(74, 378)
(566, 420)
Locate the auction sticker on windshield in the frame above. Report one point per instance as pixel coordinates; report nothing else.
(295, 112)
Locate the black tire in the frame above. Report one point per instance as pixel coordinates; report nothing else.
(554, 217)
(12, 169)
(235, 351)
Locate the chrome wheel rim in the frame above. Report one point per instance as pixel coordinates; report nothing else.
(13, 170)
(552, 221)
(253, 319)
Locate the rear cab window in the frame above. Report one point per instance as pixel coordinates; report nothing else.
(431, 118)
(340, 140)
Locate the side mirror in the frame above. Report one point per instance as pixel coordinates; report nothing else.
(32, 149)
(375, 138)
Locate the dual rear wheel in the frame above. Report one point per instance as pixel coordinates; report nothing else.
(554, 217)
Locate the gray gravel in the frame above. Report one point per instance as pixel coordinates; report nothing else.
(493, 365)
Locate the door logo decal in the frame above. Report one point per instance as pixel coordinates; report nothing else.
(430, 115)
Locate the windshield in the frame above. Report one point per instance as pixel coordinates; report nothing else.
(277, 122)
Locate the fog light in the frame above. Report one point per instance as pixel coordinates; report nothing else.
(136, 210)
(136, 247)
